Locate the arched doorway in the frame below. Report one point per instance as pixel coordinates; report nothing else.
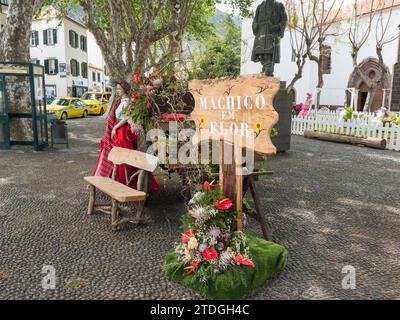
(371, 68)
(363, 97)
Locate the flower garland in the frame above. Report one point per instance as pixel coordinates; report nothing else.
(148, 93)
(210, 244)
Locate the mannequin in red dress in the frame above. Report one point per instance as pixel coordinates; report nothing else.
(118, 133)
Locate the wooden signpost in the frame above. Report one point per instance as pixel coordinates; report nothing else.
(238, 112)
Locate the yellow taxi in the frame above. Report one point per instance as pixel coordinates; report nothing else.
(67, 108)
(97, 102)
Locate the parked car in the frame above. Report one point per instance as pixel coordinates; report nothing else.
(67, 108)
(97, 102)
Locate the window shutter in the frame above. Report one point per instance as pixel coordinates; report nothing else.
(70, 38)
(77, 69)
(76, 40)
(56, 66)
(55, 36)
(45, 41)
(46, 66)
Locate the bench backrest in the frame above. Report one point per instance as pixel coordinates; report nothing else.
(133, 158)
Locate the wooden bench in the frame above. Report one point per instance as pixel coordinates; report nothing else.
(120, 193)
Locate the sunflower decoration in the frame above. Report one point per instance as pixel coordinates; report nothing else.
(258, 127)
(202, 121)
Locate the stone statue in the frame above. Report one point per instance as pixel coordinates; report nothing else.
(269, 27)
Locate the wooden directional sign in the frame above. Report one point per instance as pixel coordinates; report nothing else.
(236, 109)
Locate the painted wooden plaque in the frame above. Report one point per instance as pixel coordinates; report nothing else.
(236, 110)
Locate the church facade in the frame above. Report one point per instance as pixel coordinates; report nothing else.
(341, 82)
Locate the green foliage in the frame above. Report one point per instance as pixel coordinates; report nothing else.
(221, 55)
(348, 115)
(236, 282)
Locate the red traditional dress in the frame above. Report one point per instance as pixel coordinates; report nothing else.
(124, 138)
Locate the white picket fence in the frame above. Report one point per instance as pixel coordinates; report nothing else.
(330, 122)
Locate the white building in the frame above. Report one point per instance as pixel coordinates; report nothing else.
(340, 75)
(61, 46)
(3, 12)
(96, 69)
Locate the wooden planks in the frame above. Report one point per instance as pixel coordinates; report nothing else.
(116, 190)
(133, 158)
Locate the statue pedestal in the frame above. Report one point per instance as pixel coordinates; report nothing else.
(282, 105)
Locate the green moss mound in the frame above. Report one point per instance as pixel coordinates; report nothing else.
(238, 282)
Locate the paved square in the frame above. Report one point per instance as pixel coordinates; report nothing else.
(331, 205)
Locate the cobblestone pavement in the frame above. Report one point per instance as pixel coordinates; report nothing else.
(331, 205)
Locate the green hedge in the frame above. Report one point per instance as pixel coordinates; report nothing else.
(238, 282)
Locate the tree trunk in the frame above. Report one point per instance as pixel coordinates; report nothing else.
(371, 96)
(320, 84)
(15, 46)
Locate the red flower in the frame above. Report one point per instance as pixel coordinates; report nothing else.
(209, 185)
(192, 268)
(223, 204)
(174, 78)
(173, 117)
(210, 254)
(138, 76)
(187, 236)
(173, 90)
(148, 104)
(244, 261)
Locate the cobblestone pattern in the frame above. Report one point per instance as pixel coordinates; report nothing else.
(331, 205)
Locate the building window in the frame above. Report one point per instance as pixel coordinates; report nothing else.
(326, 59)
(51, 92)
(94, 76)
(35, 38)
(73, 39)
(50, 37)
(51, 66)
(84, 68)
(98, 77)
(83, 43)
(74, 68)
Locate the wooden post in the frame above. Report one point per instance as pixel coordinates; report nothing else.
(114, 215)
(231, 179)
(92, 197)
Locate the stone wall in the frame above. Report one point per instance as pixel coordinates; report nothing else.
(396, 87)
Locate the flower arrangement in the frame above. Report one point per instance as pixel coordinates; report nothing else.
(153, 94)
(210, 244)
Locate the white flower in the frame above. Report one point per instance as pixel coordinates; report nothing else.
(214, 232)
(196, 198)
(226, 259)
(193, 244)
(199, 213)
